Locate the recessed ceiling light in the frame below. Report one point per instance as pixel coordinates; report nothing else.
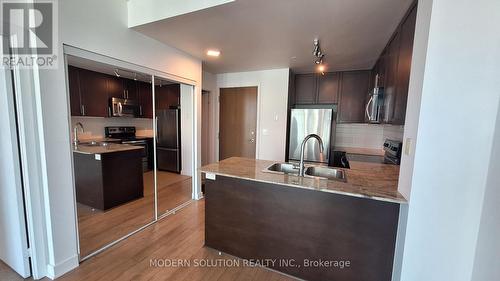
(213, 53)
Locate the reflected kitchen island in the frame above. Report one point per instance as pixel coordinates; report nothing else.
(108, 175)
(310, 228)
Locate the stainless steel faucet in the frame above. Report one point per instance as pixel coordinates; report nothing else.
(75, 133)
(302, 147)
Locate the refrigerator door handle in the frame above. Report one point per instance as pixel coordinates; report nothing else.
(177, 127)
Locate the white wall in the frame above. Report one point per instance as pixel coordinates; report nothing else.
(100, 27)
(271, 108)
(460, 101)
(209, 83)
(488, 247)
(420, 43)
(186, 97)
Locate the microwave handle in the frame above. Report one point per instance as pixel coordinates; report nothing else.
(370, 118)
(120, 109)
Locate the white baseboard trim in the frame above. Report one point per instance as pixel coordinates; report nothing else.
(58, 270)
(199, 196)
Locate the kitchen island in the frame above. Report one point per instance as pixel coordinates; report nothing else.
(108, 174)
(311, 228)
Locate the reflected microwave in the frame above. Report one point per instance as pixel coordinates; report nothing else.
(124, 108)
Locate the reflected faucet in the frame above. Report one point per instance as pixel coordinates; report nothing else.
(75, 133)
(302, 148)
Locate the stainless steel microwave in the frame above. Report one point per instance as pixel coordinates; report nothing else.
(124, 108)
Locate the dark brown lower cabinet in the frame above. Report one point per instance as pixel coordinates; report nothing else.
(308, 234)
(114, 179)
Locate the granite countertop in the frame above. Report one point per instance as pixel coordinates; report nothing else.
(111, 147)
(366, 180)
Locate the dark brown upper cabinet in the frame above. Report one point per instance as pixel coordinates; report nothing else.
(115, 87)
(328, 88)
(305, 88)
(145, 96)
(404, 66)
(313, 88)
(394, 66)
(391, 80)
(130, 87)
(94, 95)
(167, 96)
(90, 92)
(122, 88)
(74, 91)
(353, 92)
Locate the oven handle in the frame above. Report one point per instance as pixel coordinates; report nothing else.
(134, 142)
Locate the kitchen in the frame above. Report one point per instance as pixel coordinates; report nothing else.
(344, 135)
(318, 135)
(121, 166)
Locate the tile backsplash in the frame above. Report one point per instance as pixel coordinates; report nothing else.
(94, 126)
(370, 136)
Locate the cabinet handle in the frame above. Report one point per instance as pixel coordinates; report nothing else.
(109, 111)
(124, 94)
(140, 110)
(83, 110)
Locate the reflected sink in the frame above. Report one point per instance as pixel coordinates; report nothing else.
(325, 172)
(286, 168)
(94, 143)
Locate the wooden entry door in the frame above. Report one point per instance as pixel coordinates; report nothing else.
(237, 122)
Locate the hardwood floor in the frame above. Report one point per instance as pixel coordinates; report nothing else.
(177, 237)
(7, 274)
(98, 228)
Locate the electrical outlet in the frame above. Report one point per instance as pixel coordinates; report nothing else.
(210, 176)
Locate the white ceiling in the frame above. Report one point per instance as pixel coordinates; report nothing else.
(267, 34)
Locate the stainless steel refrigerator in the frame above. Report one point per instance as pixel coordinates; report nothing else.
(168, 142)
(310, 121)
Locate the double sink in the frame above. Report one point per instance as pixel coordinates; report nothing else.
(310, 171)
(95, 143)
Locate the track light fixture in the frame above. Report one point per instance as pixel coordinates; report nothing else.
(318, 56)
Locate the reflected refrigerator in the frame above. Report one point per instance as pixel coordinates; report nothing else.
(310, 121)
(168, 140)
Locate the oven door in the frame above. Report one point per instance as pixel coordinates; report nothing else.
(124, 108)
(145, 152)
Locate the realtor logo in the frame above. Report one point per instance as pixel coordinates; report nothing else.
(29, 33)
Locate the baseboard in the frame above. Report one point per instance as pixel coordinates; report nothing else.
(199, 197)
(58, 270)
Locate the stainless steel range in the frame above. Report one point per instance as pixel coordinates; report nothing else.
(126, 135)
(392, 150)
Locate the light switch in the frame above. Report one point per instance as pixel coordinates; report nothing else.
(98, 157)
(265, 132)
(408, 144)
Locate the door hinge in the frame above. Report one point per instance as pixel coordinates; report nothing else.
(27, 253)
